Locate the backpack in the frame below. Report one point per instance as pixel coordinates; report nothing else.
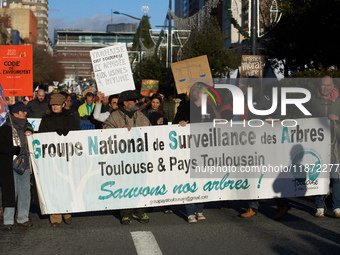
(21, 162)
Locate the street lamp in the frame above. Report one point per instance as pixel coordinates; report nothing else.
(140, 32)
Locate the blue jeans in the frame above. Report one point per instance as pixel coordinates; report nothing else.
(9, 215)
(255, 204)
(23, 198)
(335, 195)
(193, 208)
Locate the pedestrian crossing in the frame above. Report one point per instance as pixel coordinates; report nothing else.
(145, 243)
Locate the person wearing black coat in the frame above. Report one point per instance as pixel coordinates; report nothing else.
(60, 122)
(7, 150)
(37, 107)
(20, 127)
(189, 111)
(57, 120)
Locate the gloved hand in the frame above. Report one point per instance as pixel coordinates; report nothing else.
(59, 131)
(65, 132)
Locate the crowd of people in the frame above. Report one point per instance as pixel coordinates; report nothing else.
(61, 112)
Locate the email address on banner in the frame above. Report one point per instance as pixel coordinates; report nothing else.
(178, 199)
(300, 168)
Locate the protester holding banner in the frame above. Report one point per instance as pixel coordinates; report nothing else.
(262, 102)
(189, 111)
(7, 150)
(38, 106)
(169, 105)
(156, 118)
(326, 103)
(20, 129)
(128, 116)
(155, 105)
(57, 120)
(87, 107)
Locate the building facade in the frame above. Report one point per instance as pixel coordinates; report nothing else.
(24, 21)
(126, 27)
(193, 13)
(5, 35)
(73, 50)
(40, 10)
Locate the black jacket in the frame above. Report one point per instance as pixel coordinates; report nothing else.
(7, 150)
(37, 109)
(61, 123)
(189, 111)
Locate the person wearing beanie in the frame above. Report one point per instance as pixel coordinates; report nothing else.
(58, 120)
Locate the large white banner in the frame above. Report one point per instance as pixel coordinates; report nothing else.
(35, 122)
(166, 165)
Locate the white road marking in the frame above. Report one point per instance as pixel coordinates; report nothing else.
(145, 243)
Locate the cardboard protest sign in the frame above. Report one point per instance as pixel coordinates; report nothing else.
(194, 68)
(252, 65)
(112, 69)
(16, 70)
(149, 86)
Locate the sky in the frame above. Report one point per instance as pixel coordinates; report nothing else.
(95, 15)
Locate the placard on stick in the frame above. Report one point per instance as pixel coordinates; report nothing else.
(149, 86)
(252, 65)
(112, 69)
(16, 70)
(194, 68)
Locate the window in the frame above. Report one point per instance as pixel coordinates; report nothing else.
(41, 8)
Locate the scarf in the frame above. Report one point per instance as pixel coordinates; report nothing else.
(334, 95)
(20, 126)
(128, 113)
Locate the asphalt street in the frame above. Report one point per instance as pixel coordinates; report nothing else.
(223, 232)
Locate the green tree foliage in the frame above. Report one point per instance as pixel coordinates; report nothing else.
(208, 41)
(46, 68)
(149, 69)
(306, 36)
(148, 43)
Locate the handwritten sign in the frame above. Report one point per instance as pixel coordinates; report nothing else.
(191, 69)
(149, 86)
(252, 65)
(16, 70)
(112, 69)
